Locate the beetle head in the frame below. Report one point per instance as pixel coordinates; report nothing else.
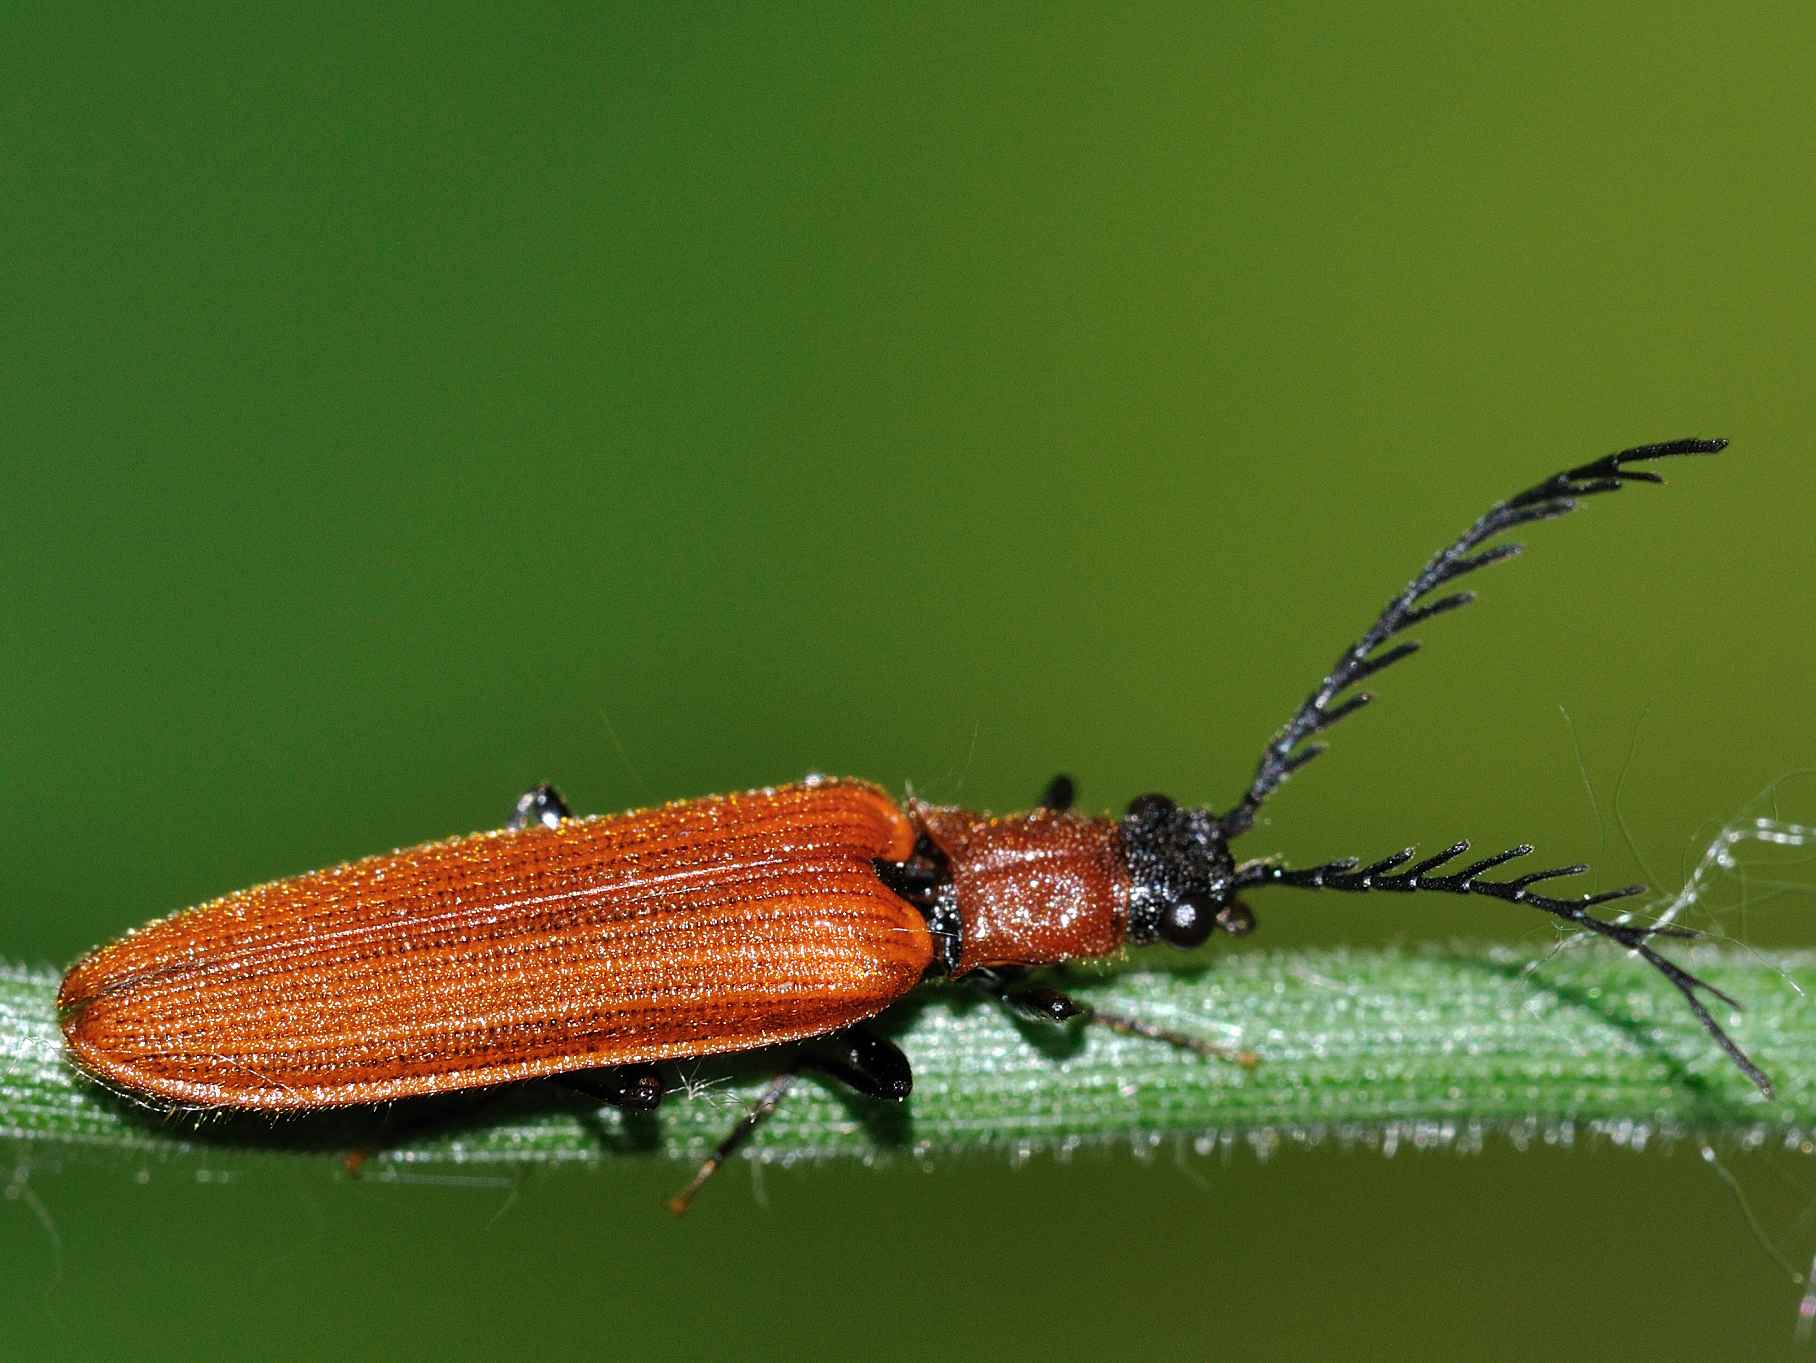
(1181, 875)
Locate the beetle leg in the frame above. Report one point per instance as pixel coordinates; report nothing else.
(856, 1056)
(1128, 1026)
(1062, 790)
(1051, 1005)
(1043, 1004)
(540, 804)
(768, 1103)
(634, 1088)
(860, 1058)
(1007, 985)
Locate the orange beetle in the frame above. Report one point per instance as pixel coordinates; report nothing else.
(595, 949)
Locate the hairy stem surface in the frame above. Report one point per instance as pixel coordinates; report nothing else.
(1435, 1045)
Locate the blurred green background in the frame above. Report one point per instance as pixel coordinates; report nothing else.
(402, 406)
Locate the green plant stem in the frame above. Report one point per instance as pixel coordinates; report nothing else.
(1432, 1045)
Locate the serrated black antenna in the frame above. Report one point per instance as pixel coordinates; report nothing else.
(1556, 496)
(1350, 876)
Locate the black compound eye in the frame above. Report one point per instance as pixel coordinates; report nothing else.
(1188, 921)
(1150, 807)
(1236, 918)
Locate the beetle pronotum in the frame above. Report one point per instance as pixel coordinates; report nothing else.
(597, 949)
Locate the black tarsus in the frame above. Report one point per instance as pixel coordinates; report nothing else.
(541, 805)
(1350, 876)
(1060, 794)
(1556, 496)
(633, 1088)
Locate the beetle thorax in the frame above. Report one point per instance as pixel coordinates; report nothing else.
(1030, 889)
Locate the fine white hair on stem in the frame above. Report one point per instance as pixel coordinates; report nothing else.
(1722, 860)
